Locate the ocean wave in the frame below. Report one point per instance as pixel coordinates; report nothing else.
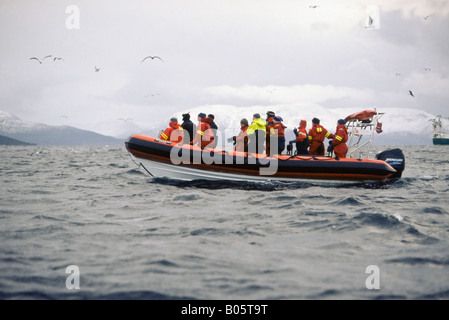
(326, 294)
(434, 210)
(350, 200)
(134, 172)
(376, 219)
(420, 260)
(207, 231)
(444, 295)
(390, 297)
(89, 295)
(164, 263)
(186, 197)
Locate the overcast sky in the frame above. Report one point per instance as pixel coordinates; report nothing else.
(235, 52)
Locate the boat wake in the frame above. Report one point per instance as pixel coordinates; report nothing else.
(238, 185)
(268, 185)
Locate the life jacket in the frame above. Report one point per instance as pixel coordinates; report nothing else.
(173, 133)
(316, 137)
(204, 135)
(269, 126)
(257, 124)
(280, 127)
(214, 128)
(241, 141)
(317, 134)
(339, 141)
(302, 132)
(340, 136)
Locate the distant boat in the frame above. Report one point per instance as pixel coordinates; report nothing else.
(439, 135)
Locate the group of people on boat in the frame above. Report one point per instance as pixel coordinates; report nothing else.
(202, 134)
(257, 136)
(317, 134)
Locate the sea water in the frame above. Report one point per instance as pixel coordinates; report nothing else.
(88, 223)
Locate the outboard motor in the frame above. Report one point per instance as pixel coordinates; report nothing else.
(395, 158)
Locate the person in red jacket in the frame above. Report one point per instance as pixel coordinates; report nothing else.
(339, 140)
(204, 136)
(241, 141)
(278, 131)
(316, 138)
(174, 132)
(302, 140)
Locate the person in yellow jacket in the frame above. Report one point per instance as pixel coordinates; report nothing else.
(256, 134)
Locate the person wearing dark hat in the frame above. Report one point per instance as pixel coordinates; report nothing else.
(277, 130)
(204, 136)
(241, 141)
(269, 131)
(256, 134)
(174, 131)
(339, 140)
(189, 127)
(317, 134)
(214, 128)
(270, 117)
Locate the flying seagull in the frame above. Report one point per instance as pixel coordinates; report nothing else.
(313, 7)
(427, 69)
(152, 57)
(411, 93)
(36, 59)
(97, 69)
(425, 18)
(153, 95)
(57, 58)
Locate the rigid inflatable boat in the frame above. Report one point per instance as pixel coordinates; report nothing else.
(161, 158)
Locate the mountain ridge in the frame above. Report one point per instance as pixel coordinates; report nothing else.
(401, 126)
(7, 141)
(41, 134)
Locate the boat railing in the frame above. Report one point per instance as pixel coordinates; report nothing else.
(360, 132)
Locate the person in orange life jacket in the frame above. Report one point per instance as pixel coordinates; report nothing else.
(189, 127)
(174, 131)
(204, 136)
(241, 141)
(338, 144)
(278, 130)
(214, 128)
(302, 140)
(316, 138)
(270, 123)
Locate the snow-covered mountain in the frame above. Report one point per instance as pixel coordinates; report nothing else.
(11, 124)
(41, 134)
(400, 125)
